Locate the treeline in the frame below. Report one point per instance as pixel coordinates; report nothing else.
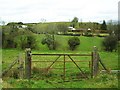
(14, 36)
(20, 35)
(63, 26)
(42, 28)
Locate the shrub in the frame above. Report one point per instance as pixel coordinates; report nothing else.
(110, 43)
(26, 41)
(8, 42)
(73, 43)
(31, 42)
(21, 41)
(50, 42)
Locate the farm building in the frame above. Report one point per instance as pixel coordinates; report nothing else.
(80, 31)
(71, 28)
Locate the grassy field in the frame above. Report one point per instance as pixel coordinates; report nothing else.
(110, 59)
(86, 43)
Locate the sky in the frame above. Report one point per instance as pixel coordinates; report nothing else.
(33, 11)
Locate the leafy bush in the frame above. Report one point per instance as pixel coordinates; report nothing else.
(26, 41)
(73, 43)
(21, 41)
(31, 42)
(8, 42)
(110, 43)
(50, 42)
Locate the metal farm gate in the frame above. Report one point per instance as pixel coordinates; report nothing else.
(64, 67)
(62, 63)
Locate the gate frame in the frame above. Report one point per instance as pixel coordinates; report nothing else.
(94, 61)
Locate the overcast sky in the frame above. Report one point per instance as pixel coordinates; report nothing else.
(58, 10)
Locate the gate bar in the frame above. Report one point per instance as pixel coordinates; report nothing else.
(54, 61)
(64, 54)
(78, 67)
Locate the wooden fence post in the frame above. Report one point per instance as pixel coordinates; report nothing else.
(28, 63)
(95, 62)
(21, 62)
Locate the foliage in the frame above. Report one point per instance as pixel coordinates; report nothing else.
(8, 38)
(110, 25)
(9, 43)
(113, 28)
(117, 31)
(52, 28)
(103, 25)
(13, 37)
(39, 28)
(110, 43)
(73, 43)
(26, 41)
(74, 22)
(21, 41)
(62, 27)
(31, 42)
(49, 41)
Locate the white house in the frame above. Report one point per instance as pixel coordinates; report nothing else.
(71, 28)
(22, 26)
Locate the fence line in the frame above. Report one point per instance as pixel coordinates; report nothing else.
(10, 66)
(20, 61)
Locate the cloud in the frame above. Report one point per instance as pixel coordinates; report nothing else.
(58, 10)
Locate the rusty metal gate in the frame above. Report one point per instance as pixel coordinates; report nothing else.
(63, 63)
(32, 58)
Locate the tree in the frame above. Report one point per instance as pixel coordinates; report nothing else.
(110, 43)
(14, 37)
(62, 27)
(74, 22)
(117, 31)
(49, 41)
(103, 25)
(25, 41)
(20, 23)
(73, 43)
(52, 28)
(113, 28)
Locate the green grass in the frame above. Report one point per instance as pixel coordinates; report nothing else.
(110, 59)
(86, 43)
(102, 81)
